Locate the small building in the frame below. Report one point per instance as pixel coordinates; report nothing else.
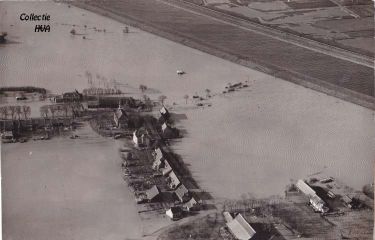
(240, 228)
(191, 205)
(121, 118)
(167, 168)
(305, 188)
(74, 96)
(172, 180)
(174, 213)
(348, 202)
(182, 193)
(318, 204)
(152, 194)
(158, 159)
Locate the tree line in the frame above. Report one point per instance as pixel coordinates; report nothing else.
(61, 110)
(15, 112)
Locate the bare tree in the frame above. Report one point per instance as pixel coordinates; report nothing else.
(26, 110)
(162, 99)
(18, 111)
(186, 97)
(4, 112)
(12, 110)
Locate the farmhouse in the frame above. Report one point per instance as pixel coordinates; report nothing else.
(141, 138)
(191, 205)
(173, 180)
(182, 193)
(240, 228)
(152, 193)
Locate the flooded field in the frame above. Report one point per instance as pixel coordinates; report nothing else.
(66, 189)
(253, 141)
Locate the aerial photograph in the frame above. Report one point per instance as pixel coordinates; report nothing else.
(187, 119)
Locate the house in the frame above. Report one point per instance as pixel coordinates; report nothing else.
(182, 193)
(164, 127)
(174, 213)
(285, 232)
(69, 97)
(167, 168)
(305, 188)
(120, 117)
(141, 138)
(159, 160)
(347, 201)
(172, 180)
(152, 193)
(318, 204)
(240, 228)
(164, 112)
(191, 205)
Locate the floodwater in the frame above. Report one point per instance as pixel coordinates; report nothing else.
(252, 141)
(66, 189)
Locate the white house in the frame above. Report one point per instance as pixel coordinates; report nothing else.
(174, 213)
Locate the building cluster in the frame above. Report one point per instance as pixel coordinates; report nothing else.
(162, 166)
(315, 201)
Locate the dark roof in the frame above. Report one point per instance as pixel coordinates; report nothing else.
(175, 210)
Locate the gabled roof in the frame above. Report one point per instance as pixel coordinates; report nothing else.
(181, 192)
(163, 110)
(240, 228)
(164, 126)
(173, 179)
(305, 188)
(167, 168)
(152, 192)
(191, 203)
(120, 114)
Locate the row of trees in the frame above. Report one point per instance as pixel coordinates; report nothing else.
(15, 112)
(101, 91)
(61, 110)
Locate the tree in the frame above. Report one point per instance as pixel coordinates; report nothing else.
(4, 112)
(162, 99)
(12, 110)
(186, 97)
(26, 110)
(143, 88)
(208, 91)
(18, 111)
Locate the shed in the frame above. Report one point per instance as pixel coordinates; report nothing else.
(240, 228)
(120, 117)
(174, 213)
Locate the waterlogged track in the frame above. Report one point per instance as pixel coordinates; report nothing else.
(348, 80)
